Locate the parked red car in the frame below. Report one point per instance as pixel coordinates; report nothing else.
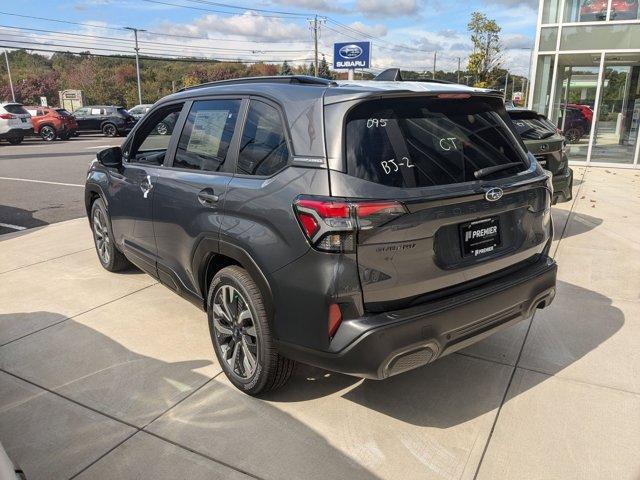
(593, 10)
(51, 123)
(586, 111)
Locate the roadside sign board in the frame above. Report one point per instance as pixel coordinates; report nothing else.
(350, 55)
(43, 101)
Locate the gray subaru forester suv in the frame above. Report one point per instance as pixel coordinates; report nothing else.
(363, 227)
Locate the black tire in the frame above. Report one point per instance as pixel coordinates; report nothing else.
(271, 370)
(113, 260)
(573, 135)
(47, 133)
(109, 130)
(64, 136)
(15, 140)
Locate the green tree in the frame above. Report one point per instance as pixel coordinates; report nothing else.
(323, 69)
(487, 49)
(285, 69)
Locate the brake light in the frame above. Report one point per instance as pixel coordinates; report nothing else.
(331, 225)
(335, 319)
(6, 116)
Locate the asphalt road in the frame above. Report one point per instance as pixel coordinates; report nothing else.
(43, 182)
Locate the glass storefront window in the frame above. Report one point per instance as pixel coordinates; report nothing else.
(548, 38)
(619, 110)
(574, 100)
(542, 91)
(624, 10)
(600, 37)
(585, 10)
(550, 11)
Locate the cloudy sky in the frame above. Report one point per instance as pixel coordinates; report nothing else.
(403, 33)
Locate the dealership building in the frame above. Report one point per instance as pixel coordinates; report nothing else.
(585, 71)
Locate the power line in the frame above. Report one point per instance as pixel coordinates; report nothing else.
(142, 42)
(149, 32)
(160, 55)
(239, 7)
(202, 9)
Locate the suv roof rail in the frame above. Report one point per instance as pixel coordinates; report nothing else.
(393, 75)
(291, 79)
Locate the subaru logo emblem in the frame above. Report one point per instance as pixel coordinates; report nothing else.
(350, 51)
(493, 194)
(543, 147)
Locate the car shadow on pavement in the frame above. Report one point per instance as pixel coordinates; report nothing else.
(93, 370)
(580, 223)
(454, 389)
(19, 217)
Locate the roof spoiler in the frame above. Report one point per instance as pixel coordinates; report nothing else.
(291, 79)
(393, 75)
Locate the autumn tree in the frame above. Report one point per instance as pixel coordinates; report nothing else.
(487, 49)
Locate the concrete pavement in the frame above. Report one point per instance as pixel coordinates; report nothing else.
(113, 376)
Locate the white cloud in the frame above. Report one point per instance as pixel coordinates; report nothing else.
(387, 8)
(248, 24)
(516, 41)
(321, 5)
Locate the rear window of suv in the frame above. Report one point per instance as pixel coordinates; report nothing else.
(532, 126)
(412, 143)
(15, 109)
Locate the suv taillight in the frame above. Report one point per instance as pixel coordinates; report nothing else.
(331, 224)
(6, 116)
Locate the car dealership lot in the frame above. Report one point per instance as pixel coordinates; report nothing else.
(113, 376)
(42, 182)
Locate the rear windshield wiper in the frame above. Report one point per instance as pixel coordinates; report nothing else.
(483, 172)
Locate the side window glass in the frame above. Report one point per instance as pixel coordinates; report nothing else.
(152, 138)
(81, 112)
(95, 111)
(263, 148)
(204, 142)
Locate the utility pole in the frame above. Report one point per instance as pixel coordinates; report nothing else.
(435, 55)
(458, 69)
(315, 43)
(135, 35)
(506, 84)
(13, 94)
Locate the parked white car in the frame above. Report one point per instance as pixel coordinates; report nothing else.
(15, 123)
(139, 111)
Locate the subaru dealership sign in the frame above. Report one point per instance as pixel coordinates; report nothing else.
(351, 55)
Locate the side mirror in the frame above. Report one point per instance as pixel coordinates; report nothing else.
(111, 157)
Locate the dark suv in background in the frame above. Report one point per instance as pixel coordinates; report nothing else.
(367, 228)
(109, 120)
(547, 144)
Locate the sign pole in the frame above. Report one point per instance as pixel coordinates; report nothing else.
(351, 74)
(6, 57)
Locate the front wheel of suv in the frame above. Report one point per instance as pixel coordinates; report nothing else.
(110, 257)
(241, 334)
(109, 130)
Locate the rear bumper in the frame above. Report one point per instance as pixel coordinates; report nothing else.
(389, 343)
(17, 132)
(562, 185)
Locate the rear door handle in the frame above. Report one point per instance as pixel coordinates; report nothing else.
(207, 198)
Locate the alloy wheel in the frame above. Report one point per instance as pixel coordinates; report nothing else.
(162, 128)
(235, 331)
(48, 134)
(109, 130)
(101, 235)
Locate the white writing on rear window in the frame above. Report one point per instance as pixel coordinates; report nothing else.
(391, 166)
